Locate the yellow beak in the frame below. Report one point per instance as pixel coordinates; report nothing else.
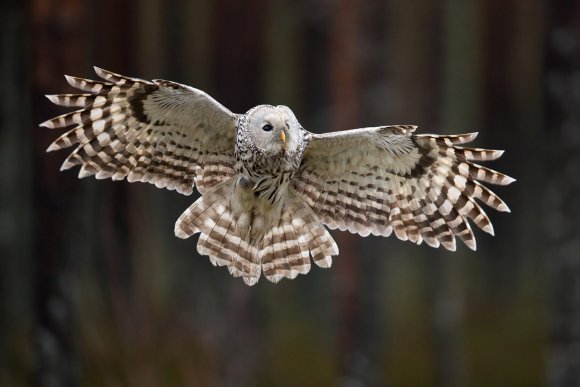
(283, 136)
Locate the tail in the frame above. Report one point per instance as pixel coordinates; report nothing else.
(286, 248)
(283, 251)
(212, 216)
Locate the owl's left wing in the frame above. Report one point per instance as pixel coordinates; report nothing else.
(384, 179)
(160, 132)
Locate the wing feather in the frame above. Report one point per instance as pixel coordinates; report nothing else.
(387, 179)
(160, 132)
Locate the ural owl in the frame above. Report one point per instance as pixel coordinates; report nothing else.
(268, 185)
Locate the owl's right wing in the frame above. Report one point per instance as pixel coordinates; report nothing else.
(160, 132)
(385, 179)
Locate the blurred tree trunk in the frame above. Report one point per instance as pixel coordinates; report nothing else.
(282, 56)
(345, 103)
(72, 233)
(461, 90)
(416, 39)
(16, 225)
(196, 42)
(526, 275)
(562, 190)
(151, 37)
(52, 25)
(513, 112)
(237, 68)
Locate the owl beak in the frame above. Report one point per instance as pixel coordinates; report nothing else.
(283, 136)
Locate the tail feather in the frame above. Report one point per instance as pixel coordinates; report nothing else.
(283, 252)
(292, 251)
(322, 246)
(210, 244)
(302, 264)
(212, 216)
(286, 248)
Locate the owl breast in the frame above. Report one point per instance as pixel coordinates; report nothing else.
(269, 174)
(268, 169)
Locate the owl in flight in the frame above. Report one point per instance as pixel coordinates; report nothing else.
(268, 186)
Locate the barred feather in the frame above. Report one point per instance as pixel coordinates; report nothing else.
(213, 218)
(159, 132)
(380, 180)
(284, 251)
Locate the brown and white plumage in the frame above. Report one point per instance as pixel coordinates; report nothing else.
(159, 132)
(267, 184)
(385, 179)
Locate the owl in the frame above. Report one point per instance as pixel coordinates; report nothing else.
(268, 186)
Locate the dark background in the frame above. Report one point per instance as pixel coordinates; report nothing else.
(96, 291)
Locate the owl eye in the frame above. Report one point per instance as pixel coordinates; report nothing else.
(267, 127)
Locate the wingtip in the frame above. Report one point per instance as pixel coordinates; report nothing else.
(509, 180)
(471, 244)
(70, 80)
(497, 153)
(83, 172)
(504, 208)
(489, 229)
(52, 98)
(101, 72)
(449, 246)
(472, 136)
(52, 147)
(47, 124)
(66, 165)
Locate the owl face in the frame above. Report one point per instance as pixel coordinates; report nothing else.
(274, 129)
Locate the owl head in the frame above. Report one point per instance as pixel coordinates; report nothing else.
(273, 129)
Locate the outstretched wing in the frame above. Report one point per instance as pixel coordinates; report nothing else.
(376, 180)
(158, 132)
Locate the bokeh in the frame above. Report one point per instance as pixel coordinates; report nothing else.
(95, 290)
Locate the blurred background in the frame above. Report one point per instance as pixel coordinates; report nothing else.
(95, 290)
